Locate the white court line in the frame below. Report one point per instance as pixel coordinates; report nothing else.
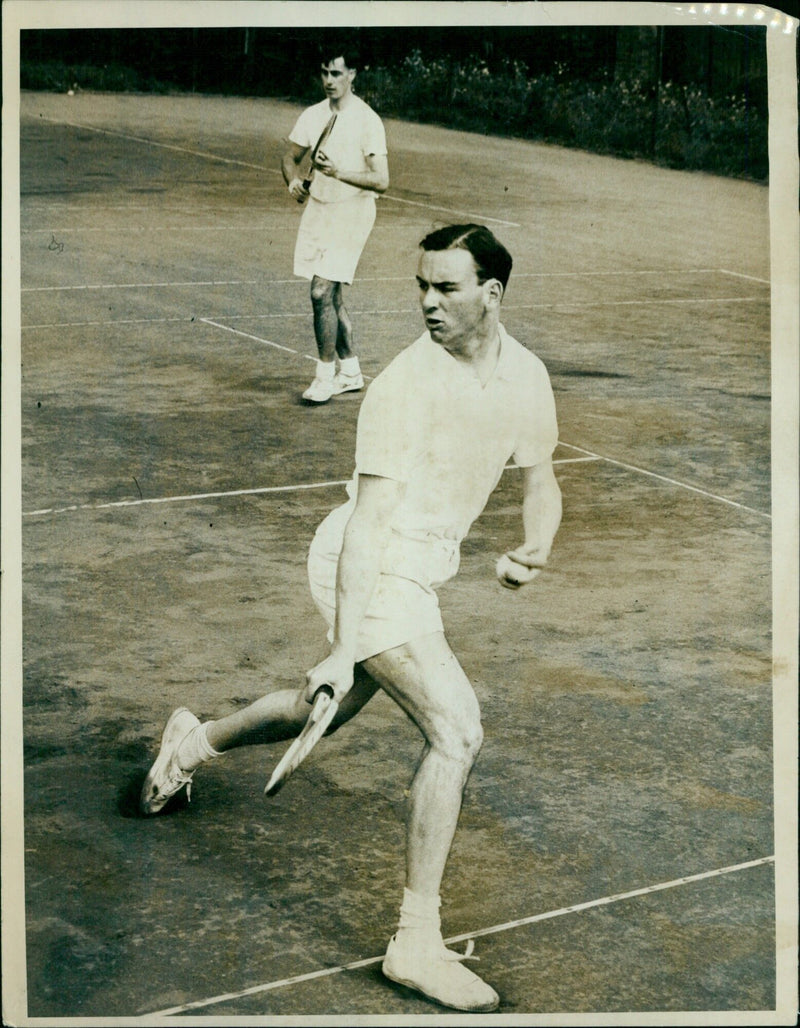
(261, 167)
(256, 339)
(508, 926)
(266, 342)
(650, 301)
(152, 142)
(63, 230)
(588, 453)
(380, 278)
(129, 229)
(233, 492)
(630, 272)
(183, 499)
(373, 278)
(104, 324)
(751, 278)
(450, 210)
(670, 481)
(564, 304)
(137, 285)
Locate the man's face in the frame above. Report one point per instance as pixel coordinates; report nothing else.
(337, 78)
(454, 302)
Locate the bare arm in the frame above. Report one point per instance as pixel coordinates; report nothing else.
(375, 178)
(290, 163)
(365, 539)
(541, 516)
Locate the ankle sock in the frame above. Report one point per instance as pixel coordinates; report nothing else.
(420, 912)
(350, 366)
(326, 370)
(195, 749)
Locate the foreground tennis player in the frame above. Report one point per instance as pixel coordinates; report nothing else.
(436, 429)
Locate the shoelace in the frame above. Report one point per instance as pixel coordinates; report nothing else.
(450, 954)
(177, 778)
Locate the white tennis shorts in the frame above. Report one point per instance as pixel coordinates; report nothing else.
(400, 609)
(332, 237)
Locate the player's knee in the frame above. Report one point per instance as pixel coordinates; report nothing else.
(473, 740)
(321, 291)
(462, 741)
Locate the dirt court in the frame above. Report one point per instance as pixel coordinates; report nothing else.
(615, 851)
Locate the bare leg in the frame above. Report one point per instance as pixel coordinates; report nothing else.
(326, 320)
(426, 680)
(345, 347)
(281, 715)
(186, 743)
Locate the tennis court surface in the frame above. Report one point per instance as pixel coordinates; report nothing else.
(615, 851)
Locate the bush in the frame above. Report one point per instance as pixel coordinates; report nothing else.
(676, 126)
(58, 77)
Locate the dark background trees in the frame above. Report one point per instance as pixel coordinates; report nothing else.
(693, 96)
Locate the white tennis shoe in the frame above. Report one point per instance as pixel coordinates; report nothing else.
(320, 390)
(425, 964)
(166, 777)
(347, 383)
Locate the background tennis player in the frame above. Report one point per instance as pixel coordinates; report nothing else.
(350, 166)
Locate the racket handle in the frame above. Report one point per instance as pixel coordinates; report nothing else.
(324, 688)
(322, 714)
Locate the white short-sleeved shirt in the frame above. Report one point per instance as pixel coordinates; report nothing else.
(426, 421)
(357, 134)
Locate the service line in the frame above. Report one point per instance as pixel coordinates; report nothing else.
(143, 501)
(669, 481)
(268, 342)
(494, 929)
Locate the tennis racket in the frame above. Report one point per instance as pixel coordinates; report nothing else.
(322, 713)
(322, 139)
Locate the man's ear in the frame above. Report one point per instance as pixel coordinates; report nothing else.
(493, 291)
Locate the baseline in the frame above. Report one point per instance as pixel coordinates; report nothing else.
(208, 155)
(494, 929)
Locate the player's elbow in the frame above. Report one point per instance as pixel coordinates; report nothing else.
(382, 184)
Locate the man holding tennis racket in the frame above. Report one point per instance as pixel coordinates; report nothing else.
(435, 432)
(349, 166)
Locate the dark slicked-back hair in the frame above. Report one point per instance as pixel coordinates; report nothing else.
(492, 260)
(339, 46)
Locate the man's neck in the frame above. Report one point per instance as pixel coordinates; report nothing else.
(342, 103)
(481, 353)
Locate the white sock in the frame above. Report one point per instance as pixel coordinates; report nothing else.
(350, 366)
(195, 749)
(420, 913)
(326, 370)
